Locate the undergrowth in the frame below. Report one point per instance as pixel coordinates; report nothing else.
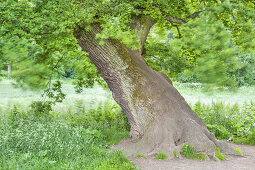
(30, 140)
(229, 122)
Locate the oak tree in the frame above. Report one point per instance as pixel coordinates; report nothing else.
(49, 36)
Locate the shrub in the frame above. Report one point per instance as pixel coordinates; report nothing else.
(229, 122)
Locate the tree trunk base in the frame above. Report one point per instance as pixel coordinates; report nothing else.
(167, 135)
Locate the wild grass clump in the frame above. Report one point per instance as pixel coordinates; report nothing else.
(220, 155)
(189, 152)
(30, 141)
(230, 122)
(139, 155)
(176, 154)
(161, 155)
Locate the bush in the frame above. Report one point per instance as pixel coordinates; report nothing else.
(230, 122)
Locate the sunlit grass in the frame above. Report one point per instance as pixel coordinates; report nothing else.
(91, 97)
(194, 93)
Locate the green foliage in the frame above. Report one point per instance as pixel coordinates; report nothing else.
(211, 43)
(176, 154)
(189, 152)
(38, 37)
(161, 155)
(41, 47)
(40, 109)
(220, 155)
(58, 142)
(105, 116)
(164, 54)
(230, 122)
(244, 75)
(139, 155)
(219, 131)
(239, 151)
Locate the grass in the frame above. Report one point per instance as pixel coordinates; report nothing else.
(189, 152)
(90, 98)
(75, 139)
(139, 155)
(239, 151)
(220, 155)
(161, 155)
(77, 132)
(194, 93)
(55, 144)
(176, 154)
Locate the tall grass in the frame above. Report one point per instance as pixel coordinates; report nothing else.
(67, 141)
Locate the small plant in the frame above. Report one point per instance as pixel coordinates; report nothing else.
(189, 152)
(239, 151)
(220, 155)
(161, 155)
(139, 155)
(176, 154)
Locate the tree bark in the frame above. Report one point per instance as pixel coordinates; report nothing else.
(9, 70)
(160, 118)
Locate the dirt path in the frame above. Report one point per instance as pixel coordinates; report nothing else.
(247, 162)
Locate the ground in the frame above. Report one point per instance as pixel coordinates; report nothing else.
(245, 162)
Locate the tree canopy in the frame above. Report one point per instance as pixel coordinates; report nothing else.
(38, 36)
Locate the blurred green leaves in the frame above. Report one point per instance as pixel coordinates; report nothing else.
(37, 37)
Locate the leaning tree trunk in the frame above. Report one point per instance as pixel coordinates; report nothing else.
(160, 118)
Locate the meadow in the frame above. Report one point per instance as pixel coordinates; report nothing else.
(78, 132)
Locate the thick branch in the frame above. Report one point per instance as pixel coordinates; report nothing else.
(142, 24)
(181, 20)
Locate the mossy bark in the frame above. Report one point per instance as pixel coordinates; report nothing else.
(160, 118)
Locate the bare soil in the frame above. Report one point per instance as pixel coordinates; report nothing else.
(245, 162)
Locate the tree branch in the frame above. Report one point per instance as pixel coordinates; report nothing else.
(176, 20)
(181, 20)
(179, 32)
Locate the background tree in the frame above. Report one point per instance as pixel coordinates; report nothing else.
(113, 34)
